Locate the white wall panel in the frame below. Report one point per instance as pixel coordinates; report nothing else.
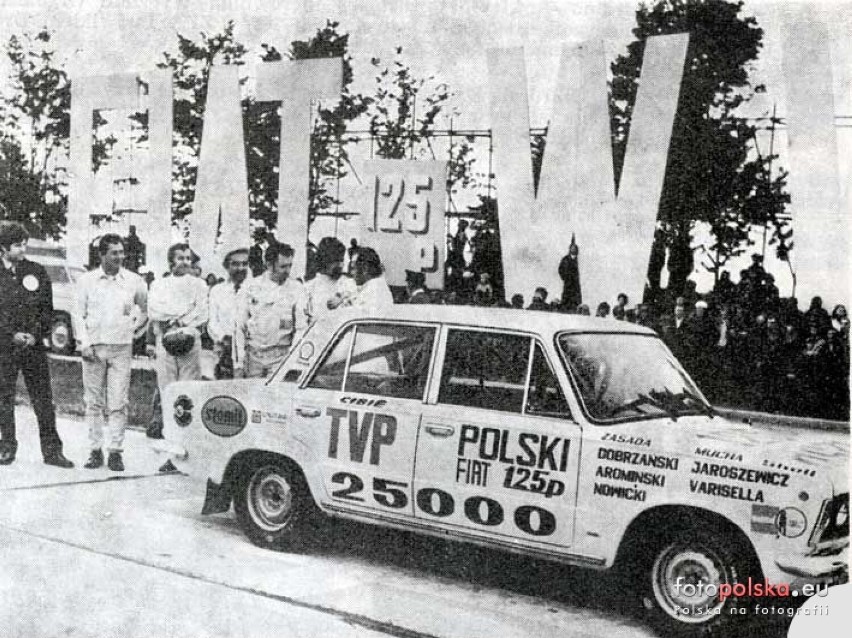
(820, 217)
(510, 125)
(222, 186)
(295, 84)
(118, 91)
(577, 190)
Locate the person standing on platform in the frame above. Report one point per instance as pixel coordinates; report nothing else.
(415, 281)
(112, 304)
(271, 316)
(223, 303)
(134, 251)
(26, 315)
(177, 307)
(263, 239)
(539, 301)
(569, 272)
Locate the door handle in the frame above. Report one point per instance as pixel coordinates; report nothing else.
(310, 413)
(440, 430)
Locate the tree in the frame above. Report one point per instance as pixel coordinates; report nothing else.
(22, 195)
(403, 114)
(36, 124)
(713, 175)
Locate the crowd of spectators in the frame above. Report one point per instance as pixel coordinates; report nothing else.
(744, 344)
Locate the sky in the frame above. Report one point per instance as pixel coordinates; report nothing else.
(444, 38)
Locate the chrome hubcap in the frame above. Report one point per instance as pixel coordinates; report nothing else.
(270, 499)
(686, 583)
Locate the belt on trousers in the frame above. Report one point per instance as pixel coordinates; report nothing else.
(268, 353)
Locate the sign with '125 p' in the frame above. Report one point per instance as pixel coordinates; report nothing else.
(402, 217)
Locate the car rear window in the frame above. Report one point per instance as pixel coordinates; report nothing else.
(57, 274)
(485, 370)
(386, 360)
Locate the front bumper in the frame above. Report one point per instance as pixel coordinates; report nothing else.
(816, 570)
(169, 449)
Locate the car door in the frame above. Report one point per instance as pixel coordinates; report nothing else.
(360, 410)
(498, 450)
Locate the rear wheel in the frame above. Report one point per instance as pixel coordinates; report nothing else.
(273, 505)
(682, 579)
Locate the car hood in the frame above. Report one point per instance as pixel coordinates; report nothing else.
(806, 453)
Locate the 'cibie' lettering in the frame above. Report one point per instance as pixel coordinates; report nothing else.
(377, 429)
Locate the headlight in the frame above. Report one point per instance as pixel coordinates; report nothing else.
(183, 410)
(791, 522)
(834, 520)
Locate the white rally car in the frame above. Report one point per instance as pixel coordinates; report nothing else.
(563, 437)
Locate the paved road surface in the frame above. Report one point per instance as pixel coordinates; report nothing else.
(101, 554)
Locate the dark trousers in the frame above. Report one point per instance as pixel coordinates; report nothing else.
(155, 425)
(32, 363)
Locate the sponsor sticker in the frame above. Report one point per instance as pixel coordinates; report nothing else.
(763, 519)
(306, 351)
(183, 410)
(224, 416)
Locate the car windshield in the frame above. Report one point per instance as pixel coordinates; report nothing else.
(57, 274)
(629, 376)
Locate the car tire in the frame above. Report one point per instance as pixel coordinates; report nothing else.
(274, 506)
(61, 335)
(691, 557)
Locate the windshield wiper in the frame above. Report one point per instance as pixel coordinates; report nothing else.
(704, 408)
(649, 399)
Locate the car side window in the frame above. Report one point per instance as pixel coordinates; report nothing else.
(390, 360)
(485, 370)
(545, 396)
(331, 372)
(386, 360)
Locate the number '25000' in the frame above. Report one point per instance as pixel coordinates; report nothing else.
(481, 510)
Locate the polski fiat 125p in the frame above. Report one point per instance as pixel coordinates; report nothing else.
(561, 437)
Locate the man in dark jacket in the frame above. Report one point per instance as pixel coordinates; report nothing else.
(569, 272)
(415, 282)
(134, 250)
(26, 315)
(539, 301)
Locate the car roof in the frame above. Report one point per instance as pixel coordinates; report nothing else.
(537, 321)
(47, 260)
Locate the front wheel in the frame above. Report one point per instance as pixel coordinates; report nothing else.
(273, 505)
(682, 583)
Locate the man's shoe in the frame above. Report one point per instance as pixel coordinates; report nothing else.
(58, 459)
(167, 467)
(96, 460)
(154, 431)
(7, 452)
(115, 463)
